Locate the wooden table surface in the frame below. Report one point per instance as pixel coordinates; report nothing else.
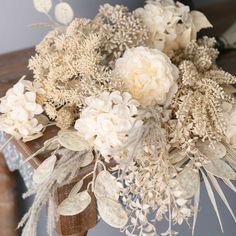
(14, 65)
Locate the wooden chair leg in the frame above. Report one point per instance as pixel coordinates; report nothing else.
(8, 203)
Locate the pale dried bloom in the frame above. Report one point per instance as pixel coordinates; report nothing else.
(171, 25)
(107, 120)
(148, 75)
(19, 108)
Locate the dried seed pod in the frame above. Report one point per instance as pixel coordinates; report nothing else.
(44, 171)
(103, 184)
(74, 204)
(220, 169)
(216, 152)
(112, 212)
(65, 117)
(72, 141)
(189, 181)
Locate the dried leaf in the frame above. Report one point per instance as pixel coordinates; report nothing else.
(44, 171)
(64, 13)
(43, 6)
(196, 204)
(218, 151)
(42, 119)
(76, 188)
(87, 159)
(221, 193)
(212, 198)
(189, 181)
(32, 137)
(72, 141)
(74, 204)
(229, 184)
(103, 184)
(220, 169)
(112, 212)
(200, 21)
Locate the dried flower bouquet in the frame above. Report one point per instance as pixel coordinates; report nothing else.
(137, 88)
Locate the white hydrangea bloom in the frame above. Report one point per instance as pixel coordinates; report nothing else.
(18, 110)
(230, 117)
(148, 75)
(107, 120)
(171, 24)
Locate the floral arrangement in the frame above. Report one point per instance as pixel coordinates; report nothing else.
(139, 97)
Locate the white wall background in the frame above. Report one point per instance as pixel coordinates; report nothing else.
(16, 33)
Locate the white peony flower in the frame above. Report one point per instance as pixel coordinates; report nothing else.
(148, 75)
(18, 110)
(171, 24)
(230, 118)
(107, 120)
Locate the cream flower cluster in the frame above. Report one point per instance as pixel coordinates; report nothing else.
(18, 110)
(230, 117)
(108, 120)
(148, 75)
(171, 24)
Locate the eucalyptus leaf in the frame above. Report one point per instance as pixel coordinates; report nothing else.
(220, 169)
(71, 140)
(44, 171)
(112, 212)
(106, 186)
(64, 13)
(74, 204)
(87, 159)
(43, 6)
(189, 181)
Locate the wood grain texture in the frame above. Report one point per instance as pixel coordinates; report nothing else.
(14, 65)
(8, 203)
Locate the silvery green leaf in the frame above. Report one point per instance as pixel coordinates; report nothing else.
(74, 204)
(44, 171)
(112, 212)
(64, 13)
(220, 169)
(103, 184)
(218, 151)
(43, 6)
(189, 181)
(71, 140)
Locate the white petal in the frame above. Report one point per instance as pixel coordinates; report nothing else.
(200, 21)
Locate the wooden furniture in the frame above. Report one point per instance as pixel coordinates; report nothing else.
(14, 65)
(8, 207)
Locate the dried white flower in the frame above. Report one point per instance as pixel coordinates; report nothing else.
(171, 24)
(107, 120)
(148, 75)
(19, 108)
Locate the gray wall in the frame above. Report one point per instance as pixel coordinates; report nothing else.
(16, 33)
